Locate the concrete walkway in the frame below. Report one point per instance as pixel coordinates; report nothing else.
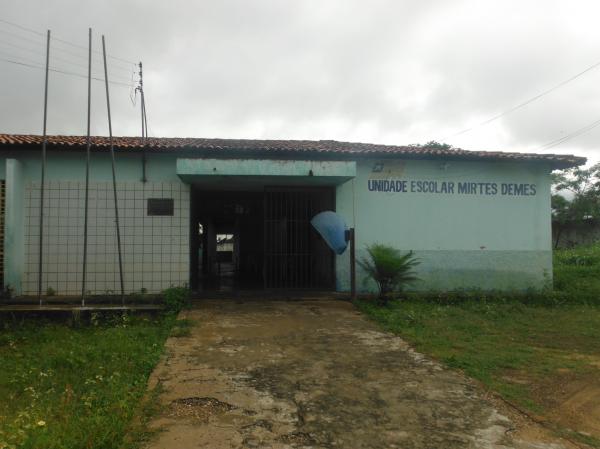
(313, 374)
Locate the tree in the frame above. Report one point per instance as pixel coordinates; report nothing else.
(433, 145)
(389, 268)
(561, 216)
(438, 145)
(583, 184)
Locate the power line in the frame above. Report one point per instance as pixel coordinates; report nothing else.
(76, 55)
(525, 103)
(38, 43)
(64, 72)
(20, 37)
(30, 30)
(18, 59)
(570, 136)
(67, 61)
(22, 27)
(22, 59)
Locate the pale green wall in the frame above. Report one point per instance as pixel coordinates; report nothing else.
(464, 241)
(23, 167)
(71, 167)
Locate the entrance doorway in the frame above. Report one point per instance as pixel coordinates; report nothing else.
(259, 239)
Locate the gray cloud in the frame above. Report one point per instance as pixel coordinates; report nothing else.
(381, 71)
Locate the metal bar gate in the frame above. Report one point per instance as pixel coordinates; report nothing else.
(291, 257)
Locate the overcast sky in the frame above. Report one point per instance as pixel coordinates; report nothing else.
(382, 71)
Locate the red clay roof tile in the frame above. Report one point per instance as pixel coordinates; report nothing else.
(324, 147)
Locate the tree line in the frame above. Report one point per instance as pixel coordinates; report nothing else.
(575, 198)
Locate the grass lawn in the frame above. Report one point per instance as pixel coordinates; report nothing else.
(534, 356)
(521, 352)
(75, 387)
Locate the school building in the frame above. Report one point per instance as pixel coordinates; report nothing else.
(224, 213)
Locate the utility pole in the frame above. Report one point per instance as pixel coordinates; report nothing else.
(43, 180)
(114, 176)
(140, 89)
(87, 169)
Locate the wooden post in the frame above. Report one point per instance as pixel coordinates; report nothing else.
(351, 240)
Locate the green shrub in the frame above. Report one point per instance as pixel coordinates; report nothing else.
(389, 268)
(175, 298)
(576, 280)
(577, 274)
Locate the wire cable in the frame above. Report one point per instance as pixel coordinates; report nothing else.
(97, 59)
(526, 102)
(64, 72)
(58, 58)
(570, 136)
(30, 30)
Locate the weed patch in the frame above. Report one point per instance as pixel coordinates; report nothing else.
(65, 387)
(182, 328)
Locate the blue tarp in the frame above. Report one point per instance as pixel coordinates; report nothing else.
(332, 228)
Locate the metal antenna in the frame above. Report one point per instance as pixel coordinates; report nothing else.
(87, 169)
(44, 142)
(140, 88)
(145, 135)
(114, 177)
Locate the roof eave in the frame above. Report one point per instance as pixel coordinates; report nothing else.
(555, 162)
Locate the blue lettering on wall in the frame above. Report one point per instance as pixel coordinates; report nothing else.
(450, 187)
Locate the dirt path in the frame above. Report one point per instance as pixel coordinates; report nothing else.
(314, 374)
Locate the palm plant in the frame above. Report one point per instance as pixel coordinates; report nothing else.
(389, 268)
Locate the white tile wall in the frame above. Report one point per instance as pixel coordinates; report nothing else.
(155, 248)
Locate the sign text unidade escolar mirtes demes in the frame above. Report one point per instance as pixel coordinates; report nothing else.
(451, 187)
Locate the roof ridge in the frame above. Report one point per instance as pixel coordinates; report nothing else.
(282, 145)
